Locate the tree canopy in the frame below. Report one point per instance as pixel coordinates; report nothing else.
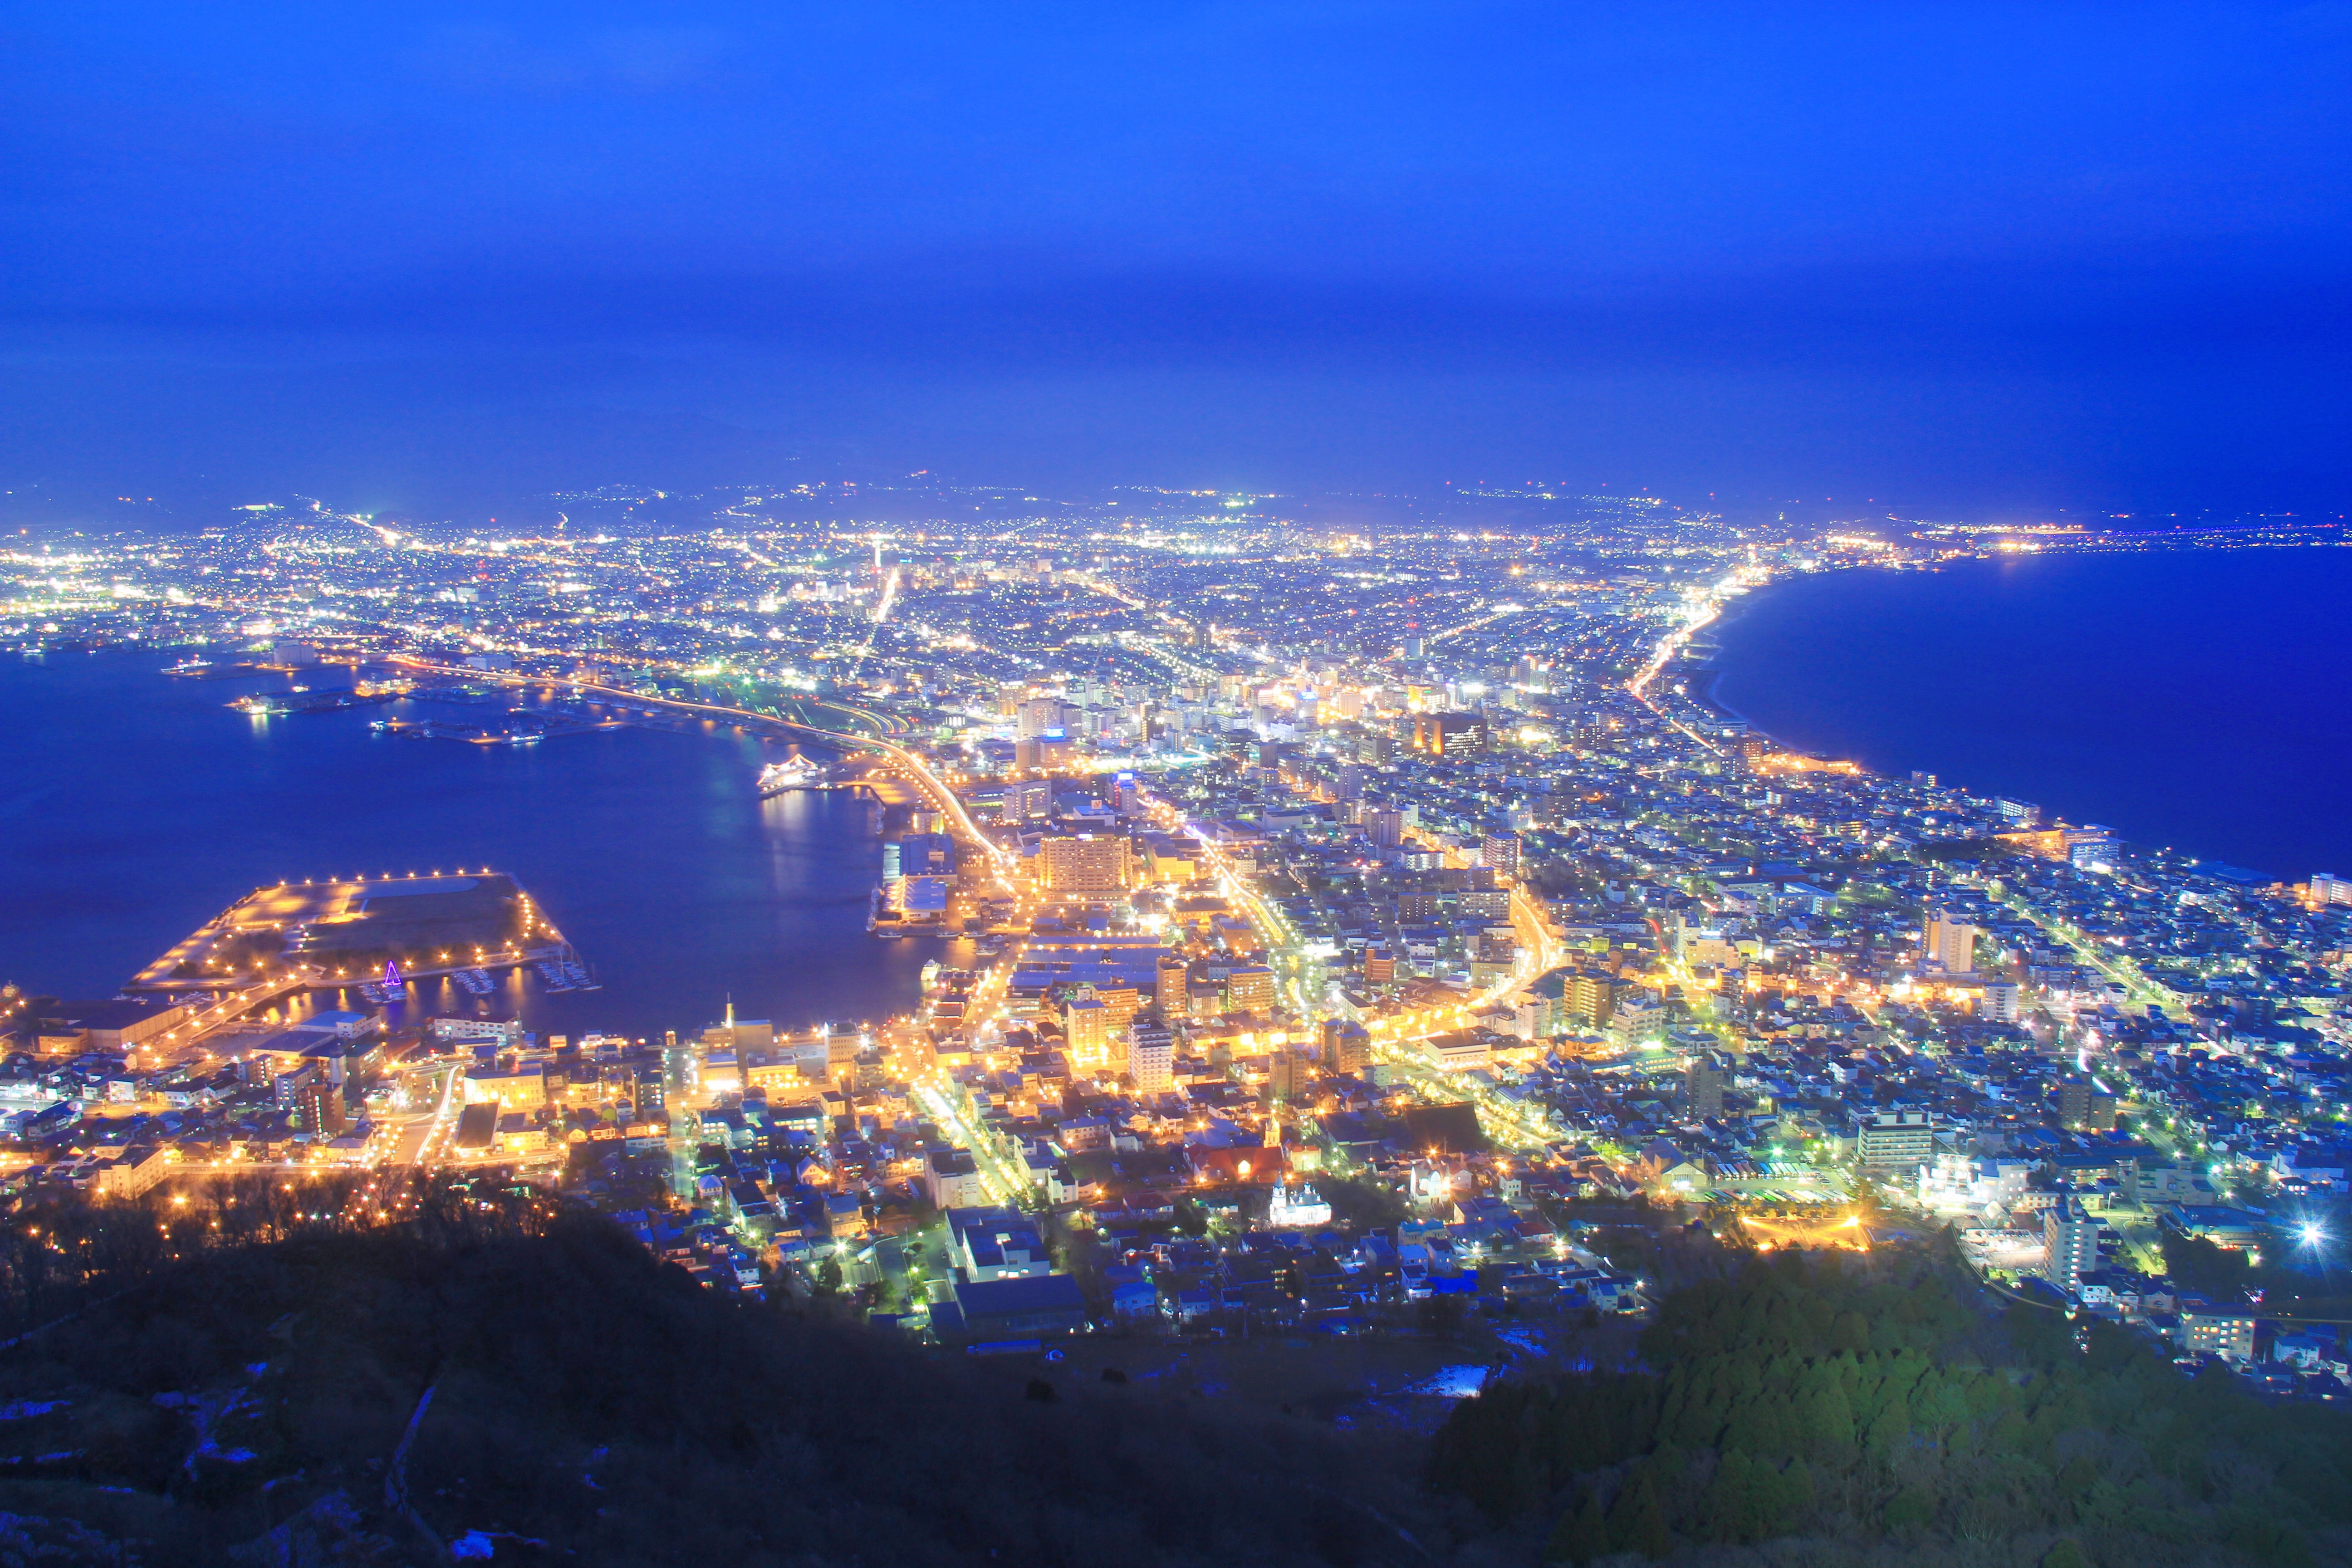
(1810, 1397)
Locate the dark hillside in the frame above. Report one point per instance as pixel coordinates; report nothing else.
(590, 1406)
(1884, 1413)
(266, 1404)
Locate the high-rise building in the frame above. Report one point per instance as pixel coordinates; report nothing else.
(1086, 1023)
(2001, 1001)
(1952, 943)
(2072, 1238)
(1169, 991)
(1151, 1058)
(1122, 1000)
(1029, 800)
(1484, 904)
(1897, 1141)
(2018, 812)
(1449, 734)
(1500, 853)
(320, 1104)
(1285, 1075)
(2327, 888)
(1703, 1089)
(1040, 716)
(1591, 995)
(1084, 863)
(1382, 825)
(1250, 989)
(2085, 1105)
(1352, 1052)
(1380, 967)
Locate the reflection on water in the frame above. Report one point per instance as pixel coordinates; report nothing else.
(133, 807)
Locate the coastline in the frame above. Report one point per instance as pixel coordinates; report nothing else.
(2064, 677)
(649, 847)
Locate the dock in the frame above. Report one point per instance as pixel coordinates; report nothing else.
(335, 933)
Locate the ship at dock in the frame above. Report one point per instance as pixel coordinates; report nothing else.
(796, 773)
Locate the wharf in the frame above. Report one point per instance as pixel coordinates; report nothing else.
(275, 702)
(533, 727)
(341, 931)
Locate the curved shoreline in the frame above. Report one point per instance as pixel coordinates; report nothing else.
(2073, 688)
(652, 849)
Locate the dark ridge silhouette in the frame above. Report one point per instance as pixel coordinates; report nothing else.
(535, 1382)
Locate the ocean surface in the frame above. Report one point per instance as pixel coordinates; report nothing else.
(133, 807)
(2200, 699)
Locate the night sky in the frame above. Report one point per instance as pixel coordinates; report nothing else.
(1959, 258)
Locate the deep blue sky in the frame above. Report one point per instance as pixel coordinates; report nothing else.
(1956, 256)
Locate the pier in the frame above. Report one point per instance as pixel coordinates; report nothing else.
(337, 933)
(278, 703)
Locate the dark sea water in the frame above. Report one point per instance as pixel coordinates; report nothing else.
(134, 807)
(2200, 699)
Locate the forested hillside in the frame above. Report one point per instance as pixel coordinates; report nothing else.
(588, 1405)
(1878, 1410)
(506, 1372)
